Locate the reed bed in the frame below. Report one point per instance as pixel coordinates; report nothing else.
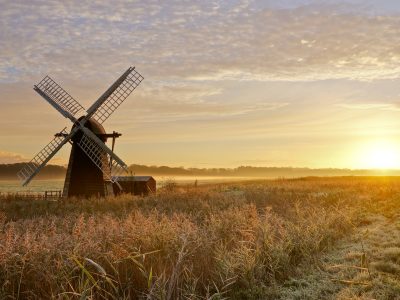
(236, 241)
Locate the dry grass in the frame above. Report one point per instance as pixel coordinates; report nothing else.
(241, 241)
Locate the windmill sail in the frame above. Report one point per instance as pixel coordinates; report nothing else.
(115, 95)
(30, 169)
(58, 98)
(95, 150)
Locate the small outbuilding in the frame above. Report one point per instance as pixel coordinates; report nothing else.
(135, 185)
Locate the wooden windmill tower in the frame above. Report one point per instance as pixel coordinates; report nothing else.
(92, 167)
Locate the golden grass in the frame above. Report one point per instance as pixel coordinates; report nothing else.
(241, 241)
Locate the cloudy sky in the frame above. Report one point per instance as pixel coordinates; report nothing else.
(227, 83)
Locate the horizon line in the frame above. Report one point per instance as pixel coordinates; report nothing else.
(240, 166)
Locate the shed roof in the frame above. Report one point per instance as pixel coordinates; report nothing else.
(133, 178)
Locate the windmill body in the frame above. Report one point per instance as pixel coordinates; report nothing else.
(83, 177)
(92, 167)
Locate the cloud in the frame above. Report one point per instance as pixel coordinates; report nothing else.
(7, 157)
(188, 102)
(215, 71)
(234, 40)
(11, 157)
(374, 106)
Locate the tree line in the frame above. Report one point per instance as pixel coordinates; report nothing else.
(9, 171)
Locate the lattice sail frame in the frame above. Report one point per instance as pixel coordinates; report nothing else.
(48, 87)
(95, 149)
(125, 88)
(39, 160)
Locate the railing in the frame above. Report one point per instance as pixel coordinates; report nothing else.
(46, 195)
(53, 195)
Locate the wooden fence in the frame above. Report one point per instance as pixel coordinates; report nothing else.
(45, 195)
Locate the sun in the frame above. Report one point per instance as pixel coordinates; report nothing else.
(380, 155)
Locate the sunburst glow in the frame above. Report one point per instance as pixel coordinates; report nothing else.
(380, 155)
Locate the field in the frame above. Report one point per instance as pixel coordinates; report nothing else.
(312, 238)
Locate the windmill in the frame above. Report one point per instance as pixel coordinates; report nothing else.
(92, 167)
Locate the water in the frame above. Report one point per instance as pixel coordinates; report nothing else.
(12, 186)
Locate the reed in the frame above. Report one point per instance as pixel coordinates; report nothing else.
(238, 241)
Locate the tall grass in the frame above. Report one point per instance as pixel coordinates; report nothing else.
(221, 241)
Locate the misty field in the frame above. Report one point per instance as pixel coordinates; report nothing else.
(326, 238)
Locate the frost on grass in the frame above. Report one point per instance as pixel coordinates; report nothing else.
(363, 265)
(292, 239)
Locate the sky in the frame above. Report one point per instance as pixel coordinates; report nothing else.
(298, 83)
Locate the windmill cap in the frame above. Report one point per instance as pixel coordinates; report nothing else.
(95, 127)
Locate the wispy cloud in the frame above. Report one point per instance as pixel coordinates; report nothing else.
(7, 157)
(373, 106)
(188, 102)
(11, 157)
